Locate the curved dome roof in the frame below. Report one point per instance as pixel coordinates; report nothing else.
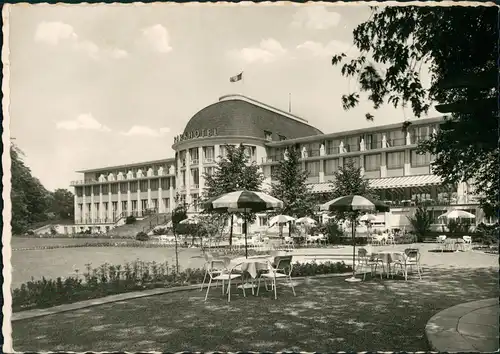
(239, 117)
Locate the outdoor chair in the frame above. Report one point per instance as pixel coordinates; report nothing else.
(282, 270)
(217, 271)
(411, 259)
(441, 241)
(365, 261)
(391, 239)
(208, 259)
(468, 242)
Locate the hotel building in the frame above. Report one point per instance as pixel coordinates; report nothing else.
(386, 155)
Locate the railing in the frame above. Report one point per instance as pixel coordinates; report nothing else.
(313, 153)
(352, 148)
(334, 150)
(373, 145)
(194, 161)
(195, 186)
(273, 158)
(395, 142)
(209, 160)
(431, 202)
(415, 139)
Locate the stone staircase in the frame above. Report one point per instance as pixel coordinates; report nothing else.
(146, 224)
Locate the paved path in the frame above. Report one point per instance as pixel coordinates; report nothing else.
(468, 327)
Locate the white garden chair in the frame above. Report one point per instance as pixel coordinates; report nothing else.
(411, 259)
(441, 239)
(366, 262)
(468, 242)
(217, 271)
(283, 270)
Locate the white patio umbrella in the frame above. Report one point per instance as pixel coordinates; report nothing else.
(457, 214)
(280, 220)
(243, 201)
(368, 217)
(306, 220)
(192, 220)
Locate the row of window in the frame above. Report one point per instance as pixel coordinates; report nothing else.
(95, 175)
(124, 187)
(209, 153)
(394, 160)
(145, 204)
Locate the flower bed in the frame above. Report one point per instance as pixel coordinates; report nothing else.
(115, 279)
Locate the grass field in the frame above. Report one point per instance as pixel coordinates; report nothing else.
(326, 315)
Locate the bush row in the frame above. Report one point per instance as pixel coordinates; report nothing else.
(115, 279)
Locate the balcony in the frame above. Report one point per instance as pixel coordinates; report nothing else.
(208, 160)
(334, 150)
(352, 148)
(194, 161)
(395, 142)
(273, 158)
(313, 153)
(373, 145)
(415, 139)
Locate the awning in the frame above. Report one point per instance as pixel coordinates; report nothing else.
(405, 182)
(388, 183)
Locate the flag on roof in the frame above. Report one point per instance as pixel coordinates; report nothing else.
(236, 77)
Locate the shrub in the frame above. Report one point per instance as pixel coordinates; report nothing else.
(130, 219)
(115, 279)
(421, 222)
(142, 236)
(160, 231)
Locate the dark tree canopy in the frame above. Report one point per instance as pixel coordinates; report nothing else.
(291, 187)
(452, 42)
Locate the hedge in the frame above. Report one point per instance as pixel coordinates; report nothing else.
(115, 279)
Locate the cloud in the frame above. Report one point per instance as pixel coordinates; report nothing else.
(158, 38)
(140, 130)
(315, 18)
(119, 53)
(331, 48)
(84, 121)
(267, 51)
(55, 33)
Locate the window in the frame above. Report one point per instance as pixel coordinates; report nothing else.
(166, 204)
(353, 160)
(332, 146)
(134, 205)
(209, 153)
(262, 220)
(96, 190)
(209, 171)
(223, 151)
(79, 191)
(419, 159)
(183, 175)
(87, 191)
(372, 162)
(195, 201)
(144, 186)
(373, 141)
(133, 186)
(352, 143)
(419, 134)
(154, 183)
(312, 168)
(250, 152)
(123, 188)
(193, 154)
(114, 188)
(395, 138)
(395, 159)
(165, 183)
(124, 206)
(331, 166)
(268, 135)
(195, 175)
(274, 170)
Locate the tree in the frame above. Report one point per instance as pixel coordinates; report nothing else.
(421, 222)
(30, 200)
(452, 42)
(348, 180)
(178, 214)
(63, 202)
(291, 187)
(233, 172)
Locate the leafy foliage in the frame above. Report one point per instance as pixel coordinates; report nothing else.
(451, 42)
(142, 236)
(178, 214)
(291, 188)
(233, 172)
(30, 200)
(130, 220)
(62, 205)
(456, 226)
(348, 181)
(421, 222)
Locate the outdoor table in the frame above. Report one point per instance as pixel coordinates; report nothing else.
(252, 266)
(453, 243)
(388, 257)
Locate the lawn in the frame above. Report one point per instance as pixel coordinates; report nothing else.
(326, 315)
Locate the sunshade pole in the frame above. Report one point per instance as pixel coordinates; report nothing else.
(353, 247)
(245, 223)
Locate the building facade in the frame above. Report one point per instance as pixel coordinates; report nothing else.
(386, 154)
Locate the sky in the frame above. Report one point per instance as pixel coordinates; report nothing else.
(94, 86)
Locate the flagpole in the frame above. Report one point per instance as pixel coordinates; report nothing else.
(289, 102)
(242, 83)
